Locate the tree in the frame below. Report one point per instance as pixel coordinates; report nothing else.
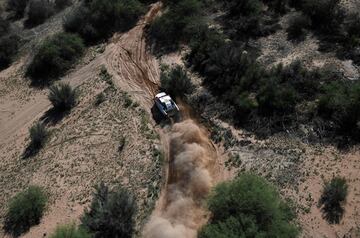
(111, 213)
(332, 199)
(25, 210)
(248, 207)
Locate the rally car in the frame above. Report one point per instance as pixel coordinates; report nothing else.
(166, 105)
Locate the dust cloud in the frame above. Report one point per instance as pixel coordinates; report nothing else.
(179, 212)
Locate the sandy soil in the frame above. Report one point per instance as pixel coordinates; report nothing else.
(83, 149)
(276, 49)
(299, 170)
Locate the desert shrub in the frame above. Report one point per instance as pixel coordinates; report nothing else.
(276, 97)
(231, 68)
(176, 82)
(111, 213)
(297, 28)
(207, 41)
(332, 199)
(17, 7)
(62, 97)
(176, 25)
(100, 98)
(352, 25)
(9, 46)
(326, 15)
(278, 6)
(25, 210)
(340, 103)
(247, 19)
(70, 231)
(55, 56)
(305, 82)
(244, 7)
(97, 20)
(4, 26)
(39, 11)
(350, 45)
(38, 137)
(248, 207)
(295, 4)
(61, 4)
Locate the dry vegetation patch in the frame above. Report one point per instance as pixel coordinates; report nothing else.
(92, 144)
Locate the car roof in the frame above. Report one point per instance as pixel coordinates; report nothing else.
(159, 95)
(165, 98)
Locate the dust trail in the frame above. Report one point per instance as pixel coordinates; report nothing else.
(179, 212)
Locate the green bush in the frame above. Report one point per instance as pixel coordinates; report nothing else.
(297, 28)
(326, 15)
(4, 26)
(278, 6)
(55, 56)
(248, 207)
(70, 231)
(111, 213)
(9, 46)
(97, 20)
(176, 25)
(274, 97)
(62, 97)
(202, 46)
(39, 11)
(244, 7)
(100, 98)
(246, 19)
(17, 7)
(351, 41)
(38, 137)
(333, 196)
(61, 4)
(25, 210)
(340, 103)
(176, 82)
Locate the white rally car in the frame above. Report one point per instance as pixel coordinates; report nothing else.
(166, 105)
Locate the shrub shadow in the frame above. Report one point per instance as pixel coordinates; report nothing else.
(30, 151)
(53, 116)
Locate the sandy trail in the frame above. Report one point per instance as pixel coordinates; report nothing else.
(134, 69)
